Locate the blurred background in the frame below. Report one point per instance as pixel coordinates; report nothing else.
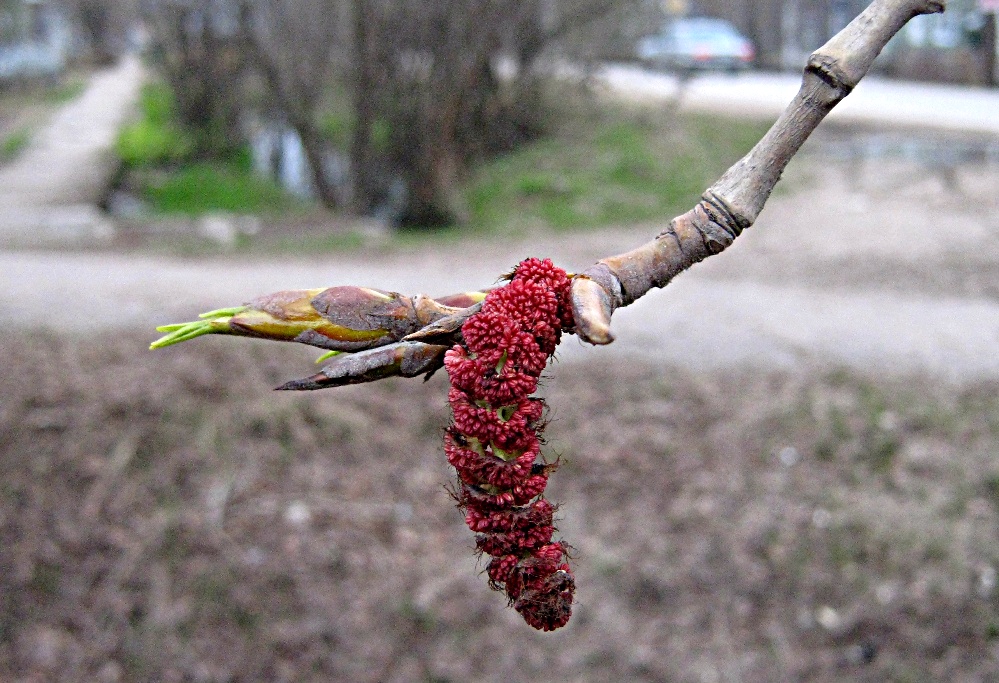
(784, 469)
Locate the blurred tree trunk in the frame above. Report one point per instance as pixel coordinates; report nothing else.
(203, 60)
(300, 115)
(364, 164)
(104, 24)
(293, 43)
(441, 92)
(96, 22)
(428, 71)
(989, 48)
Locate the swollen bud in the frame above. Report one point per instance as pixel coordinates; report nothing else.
(336, 319)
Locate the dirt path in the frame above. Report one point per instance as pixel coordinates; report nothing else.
(51, 191)
(883, 267)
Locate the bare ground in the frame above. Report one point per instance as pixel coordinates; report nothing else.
(168, 518)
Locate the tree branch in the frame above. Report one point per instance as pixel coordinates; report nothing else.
(734, 202)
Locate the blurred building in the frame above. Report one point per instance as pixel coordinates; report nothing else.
(35, 40)
(958, 46)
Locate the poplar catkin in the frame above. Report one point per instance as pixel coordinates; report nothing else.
(494, 442)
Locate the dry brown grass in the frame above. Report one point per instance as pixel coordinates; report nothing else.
(165, 517)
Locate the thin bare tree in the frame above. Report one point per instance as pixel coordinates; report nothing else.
(429, 74)
(198, 49)
(104, 25)
(423, 80)
(298, 47)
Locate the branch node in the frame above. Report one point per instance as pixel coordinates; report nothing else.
(722, 215)
(444, 330)
(828, 70)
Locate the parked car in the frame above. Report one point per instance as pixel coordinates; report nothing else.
(697, 43)
(30, 61)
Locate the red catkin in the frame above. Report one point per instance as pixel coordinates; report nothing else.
(494, 442)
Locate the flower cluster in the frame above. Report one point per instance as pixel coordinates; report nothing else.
(494, 441)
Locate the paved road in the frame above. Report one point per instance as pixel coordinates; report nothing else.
(51, 191)
(875, 100)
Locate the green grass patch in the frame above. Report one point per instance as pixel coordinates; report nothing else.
(204, 187)
(159, 155)
(15, 143)
(156, 138)
(614, 165)
(145, 143)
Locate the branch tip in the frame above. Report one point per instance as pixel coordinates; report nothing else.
(591, 311)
